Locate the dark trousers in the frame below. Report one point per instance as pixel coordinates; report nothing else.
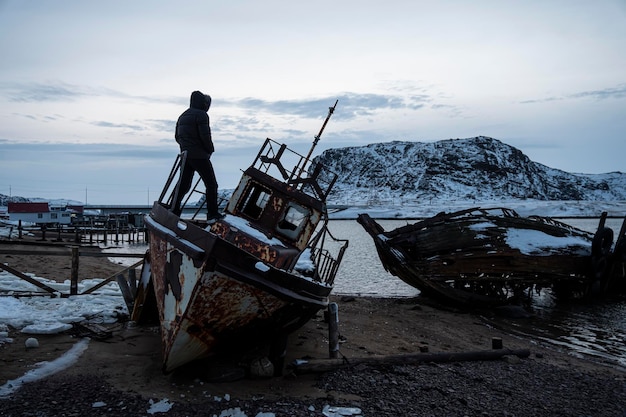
(205, 169)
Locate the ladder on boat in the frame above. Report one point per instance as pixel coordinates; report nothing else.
(171, 190)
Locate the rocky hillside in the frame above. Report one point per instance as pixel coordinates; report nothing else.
(479, 168)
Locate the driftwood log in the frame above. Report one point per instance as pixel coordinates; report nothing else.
(325, 365)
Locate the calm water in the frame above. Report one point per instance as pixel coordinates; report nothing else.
(596, 329)
(589, 329)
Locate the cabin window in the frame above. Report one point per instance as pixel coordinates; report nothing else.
(293, 220)
(254, 201)
(53, 215)
(40, 215)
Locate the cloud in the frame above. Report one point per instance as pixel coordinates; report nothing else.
(239, 121)
(352, 105)
(91, 151)
(58, 91)
(118, 125)
(161, 125)
(606, 93)
(617, 92)
(38, 92)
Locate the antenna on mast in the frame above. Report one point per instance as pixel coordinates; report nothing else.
(331, 110)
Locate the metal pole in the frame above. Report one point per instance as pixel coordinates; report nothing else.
(333, 330)
(331, 110)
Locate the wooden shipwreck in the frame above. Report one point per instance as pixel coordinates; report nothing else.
(494, 256)
(250, 278)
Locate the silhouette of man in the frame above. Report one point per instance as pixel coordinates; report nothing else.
(193, 134)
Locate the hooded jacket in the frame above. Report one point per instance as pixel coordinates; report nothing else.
(193, 132)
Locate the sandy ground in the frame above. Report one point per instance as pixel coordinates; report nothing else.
(130, 360)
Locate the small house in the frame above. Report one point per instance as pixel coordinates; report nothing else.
(38, 213)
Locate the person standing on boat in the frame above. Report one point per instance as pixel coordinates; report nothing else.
(193, 134)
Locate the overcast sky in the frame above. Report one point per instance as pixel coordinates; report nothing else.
(90, 91)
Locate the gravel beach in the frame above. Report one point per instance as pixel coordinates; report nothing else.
(121, 375)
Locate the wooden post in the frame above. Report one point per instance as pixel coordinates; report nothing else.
(132, 282)
(74, 273)
(19, 229)
(333, 330)
(126, 293)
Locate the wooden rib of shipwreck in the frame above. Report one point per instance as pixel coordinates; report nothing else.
(494, 256)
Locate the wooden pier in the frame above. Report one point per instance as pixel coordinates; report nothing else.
(86, 233)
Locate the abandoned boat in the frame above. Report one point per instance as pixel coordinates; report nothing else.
(253, 276)
(494, 256)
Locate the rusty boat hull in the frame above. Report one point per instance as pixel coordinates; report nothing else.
(213, 296)
(488, 257)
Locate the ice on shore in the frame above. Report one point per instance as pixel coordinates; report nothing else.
(51, 315)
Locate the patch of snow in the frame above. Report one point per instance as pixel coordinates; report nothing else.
(46, 327)
(31, 343)
(535, 242)
(261, 267)
(47, 315)
(528, 207)
(331, 411)
(244, 226)
(233, 412)
(46, 368)
(162, 406)
(305, 261)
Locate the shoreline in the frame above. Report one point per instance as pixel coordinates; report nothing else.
(125, 368)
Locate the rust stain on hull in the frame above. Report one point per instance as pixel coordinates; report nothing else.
(204, 311)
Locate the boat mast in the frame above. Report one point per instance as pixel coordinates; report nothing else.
(317, 138)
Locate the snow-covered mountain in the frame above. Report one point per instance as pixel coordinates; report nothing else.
(5, 199)
(480, 169)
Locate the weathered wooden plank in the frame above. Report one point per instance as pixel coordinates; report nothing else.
(325, 365)
(111, 278)
(27, 278)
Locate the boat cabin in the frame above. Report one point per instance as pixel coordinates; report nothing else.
(275, 211)
(285, 211)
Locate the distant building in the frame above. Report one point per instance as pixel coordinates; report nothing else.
(41, 213)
